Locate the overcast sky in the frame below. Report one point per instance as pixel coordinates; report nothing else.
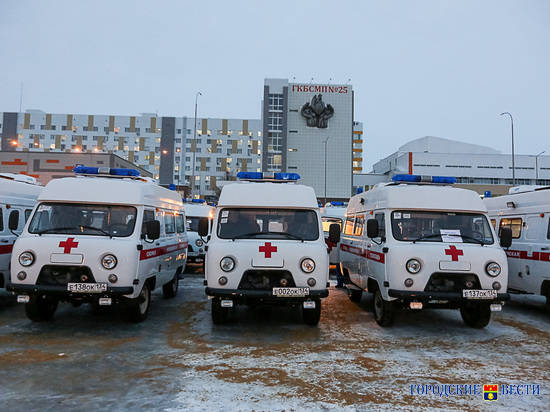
(437, 68)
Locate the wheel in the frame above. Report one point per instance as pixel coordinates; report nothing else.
(547, 306)
(476, 315)
(312, 316)
(170, 290)
(219, 314)
(40, 308)
(383, 310)
(355, 295)
(137, 309)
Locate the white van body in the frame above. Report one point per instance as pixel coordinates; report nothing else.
(79, 224)
(332, 214)
(193, 212)
(446, 261)
(527, 212)
(282, 259)
(18, 194)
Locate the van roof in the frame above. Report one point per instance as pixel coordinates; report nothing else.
(83, 189)
(15, 191)
(197, 209)
(284, 195)
(524, 202)
(421, 197)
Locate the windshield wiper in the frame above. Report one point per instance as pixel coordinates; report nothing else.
(481, 242)
(426, 237)
(245, 235)
(74, 227)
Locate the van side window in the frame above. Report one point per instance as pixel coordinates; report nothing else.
(180, 223)
(547, 232)
(148, 216)
(359, 220)
(1, 220)
(27, 214)
(494, 223)
(381, 224)
(169, 223)
(348, 227)
(17, 212)
(513, 223)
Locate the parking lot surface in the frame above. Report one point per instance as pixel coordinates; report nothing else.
(267, 359)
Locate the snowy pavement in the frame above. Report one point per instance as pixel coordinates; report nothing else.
(267, 359)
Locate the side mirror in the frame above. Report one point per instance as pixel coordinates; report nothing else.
(153, 229)
(203, 226)
(13, 221)
(334, 233)
(505, 234)
(372, 228)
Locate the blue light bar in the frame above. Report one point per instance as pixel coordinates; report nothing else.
(424, 179)
(171, 186)
(88, 170)
(335, 203)
(268, 176)
(198, 201)
(212, 204)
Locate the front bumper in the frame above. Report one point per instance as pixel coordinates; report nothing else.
(441, 299)
(62, 293)
(242, 295)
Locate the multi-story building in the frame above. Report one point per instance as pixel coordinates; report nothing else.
(161, 145)
(309, 129)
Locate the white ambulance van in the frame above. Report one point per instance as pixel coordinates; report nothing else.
(104, 236)
(195, 209)
(419, 243)
(332, 213)
(526, 211)
(18, 194)
(266, 246)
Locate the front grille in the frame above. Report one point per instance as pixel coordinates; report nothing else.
(53, 275)
(452, 282)
(266, 279)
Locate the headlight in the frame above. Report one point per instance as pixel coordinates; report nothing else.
(308, 265)
(199, 242)
(413, 266)
(227, 264)
(26, 258)
(493, 269)
(109, 261)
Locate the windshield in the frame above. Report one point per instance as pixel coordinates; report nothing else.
(327, 221)
(83, 219)
(268, 224)
(441, 227)
(193, 223)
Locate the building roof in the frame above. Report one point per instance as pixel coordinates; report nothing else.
(432, 144)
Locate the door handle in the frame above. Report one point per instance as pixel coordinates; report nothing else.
(544, 248)
(4, 240)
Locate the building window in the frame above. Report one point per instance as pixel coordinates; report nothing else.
(275, 121)
(275, 102)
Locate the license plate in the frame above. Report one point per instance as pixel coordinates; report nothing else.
(479, 294)
(87, 287)
(290, 292)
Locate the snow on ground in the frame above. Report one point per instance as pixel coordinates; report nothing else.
(266, 359)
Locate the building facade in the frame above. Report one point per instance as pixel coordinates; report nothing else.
(166, 147)
(45, 166)
(309, 129)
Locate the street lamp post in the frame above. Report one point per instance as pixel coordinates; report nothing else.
(325, 142)
(513, 157)
(194, 144)
(537, 165)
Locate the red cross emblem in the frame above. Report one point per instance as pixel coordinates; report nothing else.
(68, 244)
(267, 249)
(454, 253)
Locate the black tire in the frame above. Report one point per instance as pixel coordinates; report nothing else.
(136, 309)
(476, 315)
(170, 290)
(312, 316)
(355, 295)
(383, 310)
(219, 314)
(547, 306)
(40, 308)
